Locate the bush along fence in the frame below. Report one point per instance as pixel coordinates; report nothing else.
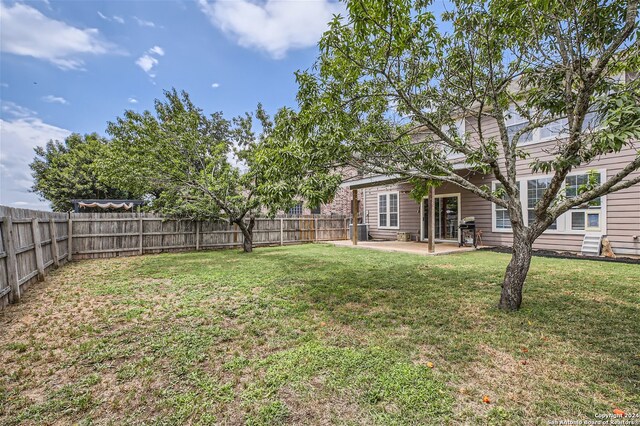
(33, 241)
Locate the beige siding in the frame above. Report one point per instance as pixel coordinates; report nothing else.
(622, 209)
(409, 212)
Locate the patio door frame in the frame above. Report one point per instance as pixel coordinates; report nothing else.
(439, 240)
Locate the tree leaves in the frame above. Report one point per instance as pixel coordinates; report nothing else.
(68, 170)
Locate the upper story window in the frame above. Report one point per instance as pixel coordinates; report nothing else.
(515, 122)
(296, 210)
(388, 209)
(553, 130)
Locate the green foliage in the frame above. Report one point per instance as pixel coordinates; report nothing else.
(68, 170)
(192, 164)
(180, 156)
(420, 188)
(290, 172)
(388, 86)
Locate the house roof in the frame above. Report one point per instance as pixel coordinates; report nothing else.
(380, 180)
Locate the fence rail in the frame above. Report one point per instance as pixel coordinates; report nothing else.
(34, 242)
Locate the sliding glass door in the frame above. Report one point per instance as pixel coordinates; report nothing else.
(446, 218)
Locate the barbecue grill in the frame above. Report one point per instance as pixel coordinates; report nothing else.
(467, 228)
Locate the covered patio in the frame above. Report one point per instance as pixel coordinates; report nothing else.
(432, 244)
(412, 247)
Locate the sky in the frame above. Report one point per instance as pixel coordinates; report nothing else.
(72, 66)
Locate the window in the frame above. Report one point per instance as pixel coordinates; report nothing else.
(393, 210)
(514, 123)
(502, 220)
(577, 221)
(535, 191)
(591, 121)
(584, 218)
(388, 210)
(558, 128)
(296, 210)
(316, 210)
(588, 217)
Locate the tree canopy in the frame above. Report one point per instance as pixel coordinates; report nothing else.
(390, 83)
(68, 170)
(195, 165)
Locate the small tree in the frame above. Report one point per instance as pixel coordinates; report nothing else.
(201, 167)
(389, 84)
(68, 170)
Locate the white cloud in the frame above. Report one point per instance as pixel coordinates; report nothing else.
(115, 18)
(157, 50)
(55, 100)
(148, 62)
(132, 100)
(27, 32)
(273, 26)
(18, 137)
(144, 23)
(16, 110)
(215, 85)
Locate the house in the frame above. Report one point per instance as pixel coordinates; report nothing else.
(388, 209)
(340, 205)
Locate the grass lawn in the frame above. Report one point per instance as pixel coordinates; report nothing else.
(316, 334)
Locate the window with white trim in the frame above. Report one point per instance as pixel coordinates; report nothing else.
(556, 129)
(502, 220)
(388, 210)
(586, 217)
(516, 122)
(535, 191)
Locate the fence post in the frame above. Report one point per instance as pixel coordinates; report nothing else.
(315, 227)
(197, 235)
(346, 229)
(69, 238)
(235, 233)
(140, 234)
(281, 231)
(37, 247)
(12, 264)
(54, 242)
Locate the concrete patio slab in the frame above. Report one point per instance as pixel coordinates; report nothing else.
(412, 247)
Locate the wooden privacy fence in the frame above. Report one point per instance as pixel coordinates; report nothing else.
(35, 241)
(113, 234)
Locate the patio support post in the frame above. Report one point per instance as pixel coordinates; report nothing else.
(432, 220)
(354, 210)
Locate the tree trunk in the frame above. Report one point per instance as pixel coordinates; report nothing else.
(247, 233)
(516, 273)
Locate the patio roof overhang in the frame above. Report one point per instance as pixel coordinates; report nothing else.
(381, 180)
(371, 181)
